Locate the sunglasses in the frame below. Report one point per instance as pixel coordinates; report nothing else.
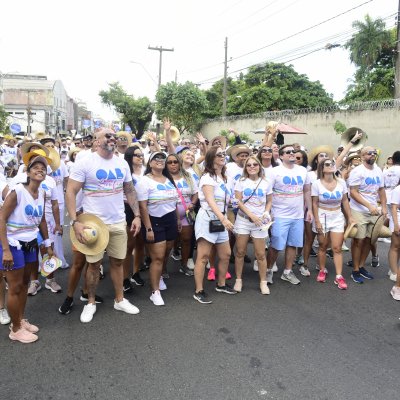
(372, 153)
(252, 165)
(299, 158)
(289, 152)
(325, 155)
(159, 159)
(172, 162)
(138, 155)
(109, 136)
(222, 154)
(266, 151)
(329, 164)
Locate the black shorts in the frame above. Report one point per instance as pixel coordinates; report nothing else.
(164, 228)
(129, 215)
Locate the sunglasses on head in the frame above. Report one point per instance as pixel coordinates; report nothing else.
(159, 158)
(252, 165)
(325, 155)
(266, 151)
(222, 154)
(172, 162)
(289, 152)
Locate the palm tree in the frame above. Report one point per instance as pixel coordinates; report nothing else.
(367, 43)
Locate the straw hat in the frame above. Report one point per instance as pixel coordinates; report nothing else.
(320, 149)
(380, 230)
(35, 153)
(73, 151)
(96, 236)
(55, 161)
(239, 148)
(46, 139)
(351, 231)
(352, 156)
(220, 138)
(125, 135)
(26, 148)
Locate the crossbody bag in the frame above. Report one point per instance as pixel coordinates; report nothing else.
(215, 225)
(190, 214)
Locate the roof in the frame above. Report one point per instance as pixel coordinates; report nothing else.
(27, 83)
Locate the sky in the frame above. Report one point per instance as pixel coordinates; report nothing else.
(88, 44)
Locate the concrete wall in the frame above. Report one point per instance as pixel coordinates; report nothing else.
(382, 126)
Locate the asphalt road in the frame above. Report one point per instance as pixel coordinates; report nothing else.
(310, 341)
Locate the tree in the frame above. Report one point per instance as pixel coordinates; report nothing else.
(266, 87)
(3, 119)
(184, 104)
(372, 50)
(136, 113)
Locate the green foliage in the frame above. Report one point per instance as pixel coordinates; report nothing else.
(136, 113)
(3, 119)
(267, 87)
(184, 104)
(339, 127)
(372, 50)
(231, 138)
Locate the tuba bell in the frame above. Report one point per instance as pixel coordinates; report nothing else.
(348, 135)
(175, 135)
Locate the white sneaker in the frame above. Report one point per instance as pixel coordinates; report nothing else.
(156, 298)
(304, 271)
(126, 307)
(4, 317)
(275, 267)
(88, 311)
(255, 266)
(190, 264)
(392, 277)
(208, 266)
(270, 275)
(344, 247)
(163, 286)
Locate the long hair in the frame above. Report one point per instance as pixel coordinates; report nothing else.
(209, 162)
(196, 167)
(320, 169)
(185, 175)
(273, 162)
(305, 158)
(128, 156)
(245, 174)
(165, 172)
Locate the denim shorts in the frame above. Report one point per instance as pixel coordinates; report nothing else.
(20, 257)
(287, 232)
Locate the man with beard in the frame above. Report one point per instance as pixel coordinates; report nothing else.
(104, 178)
(366, 184)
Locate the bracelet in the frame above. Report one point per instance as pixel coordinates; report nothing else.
(46, 243)
(138, 216)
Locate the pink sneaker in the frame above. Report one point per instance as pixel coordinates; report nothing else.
(340, 282)
(23, 336)
(29, 327)
(321, 276)
(228, 275)
(211, 274)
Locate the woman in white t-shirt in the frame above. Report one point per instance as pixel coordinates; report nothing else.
(266, 158)
(187, 190)
(329, 196)
(134, 157)
(158, 200)
(214, 196)
(254, 195)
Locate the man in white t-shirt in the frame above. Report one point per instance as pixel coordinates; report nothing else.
(290, 191)
(104, 178)
(366, 186)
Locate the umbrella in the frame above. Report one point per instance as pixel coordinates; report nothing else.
(283, 128)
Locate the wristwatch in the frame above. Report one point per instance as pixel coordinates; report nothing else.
(72, 222)
(149, 229)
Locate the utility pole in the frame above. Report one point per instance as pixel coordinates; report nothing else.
(160, 49)
(224, 94)
(29, 113)
(397, 70)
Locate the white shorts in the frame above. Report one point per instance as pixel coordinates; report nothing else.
(391, 222)
(331, 221)
(245, 227)
(202, 228)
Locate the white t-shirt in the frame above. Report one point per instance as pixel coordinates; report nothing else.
(82, 154)
(3, 185)
(327, 198)
(187, 191)
(312, 176)
(221, 190)
(12, 151)
(391, 178)
(287, 188)
(50, 188)
(59, 175)
(368, 182)
(161, 197)
(257, 201)
(23, 222)
(195, 177)
(103, 181)
(233, 171)
(395, 199)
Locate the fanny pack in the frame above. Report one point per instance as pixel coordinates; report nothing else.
(29, 246)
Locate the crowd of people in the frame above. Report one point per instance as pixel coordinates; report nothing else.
(196, 200)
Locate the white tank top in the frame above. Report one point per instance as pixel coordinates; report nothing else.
(23, 222)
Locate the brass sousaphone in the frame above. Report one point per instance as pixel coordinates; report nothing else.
(348, 135)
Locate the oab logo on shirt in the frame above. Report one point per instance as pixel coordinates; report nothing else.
(32, 211)
(111, 175)
(293, 184)
(332, 196)
(372, 180)
(248, 192)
